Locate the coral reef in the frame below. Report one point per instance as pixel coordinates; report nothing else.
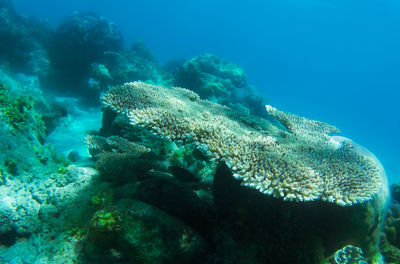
(294, 232)
(237, 219)
(26, 117)
(220, 81)
(85, 55)
(114, 144)
(140, 49)
(348, 255)
(80, 40)
(23, 41)
(26, 159)
(263, 156)
(390, 237)
(84, 37)
(144, 233)
(40, 195)
(213, 76)
(130, 65)
(395, 191)
(117, 159)
(178, 179)
(41, 214)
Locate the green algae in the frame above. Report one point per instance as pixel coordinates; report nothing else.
(16, 110)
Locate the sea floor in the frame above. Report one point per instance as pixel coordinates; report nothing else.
(70, 135)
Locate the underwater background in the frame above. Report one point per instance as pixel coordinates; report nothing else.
(209, 132)
(335, 61)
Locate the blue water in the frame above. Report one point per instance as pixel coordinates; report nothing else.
(333, 60)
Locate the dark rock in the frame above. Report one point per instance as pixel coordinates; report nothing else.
(8, 238)
(209, 76)
(141, 50)
(74, 156)
(7, 4)
(182, 174)
(48, 212)
(395, 191)
(23, 127)
(135, 232)
(295, 232)
(177, 199)
(218, 80)
(348, 254)
(80, 40)
(108, 124)
(121, 168)
(174, 66)
(132, 65)
(391, 227)
(390, 253)
(52, 112)
(23, 41)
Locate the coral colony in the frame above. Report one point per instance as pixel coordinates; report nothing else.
(262, 156)
(181, 163)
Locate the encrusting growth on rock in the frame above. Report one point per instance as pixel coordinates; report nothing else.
(114, 144)
(299, 163)
(348, 254)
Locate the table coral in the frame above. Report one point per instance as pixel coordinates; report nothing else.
(296, 161)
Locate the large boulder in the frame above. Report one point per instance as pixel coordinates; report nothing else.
(80, 40)
(125, 66)
(219, 80)
(23, 41)
(27, 116)
(135, 232)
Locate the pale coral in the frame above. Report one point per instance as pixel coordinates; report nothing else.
(297, 162)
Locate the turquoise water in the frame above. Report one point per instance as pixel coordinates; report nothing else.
(336, 61)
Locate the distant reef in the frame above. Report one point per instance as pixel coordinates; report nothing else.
(85, 55)
(189, 165)
(220, 81)
(24, 41)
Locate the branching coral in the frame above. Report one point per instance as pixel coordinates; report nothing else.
(301, 126)
(299, 163)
